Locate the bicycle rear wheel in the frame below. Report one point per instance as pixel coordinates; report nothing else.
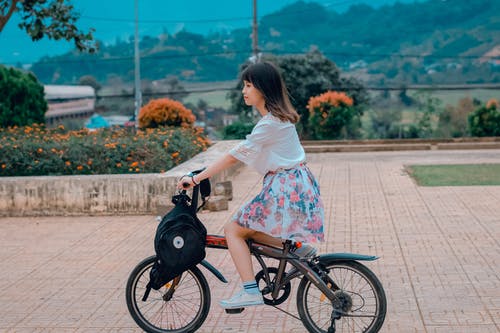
(362, 296)
(181, 305)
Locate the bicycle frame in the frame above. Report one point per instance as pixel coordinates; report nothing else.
(300, 266)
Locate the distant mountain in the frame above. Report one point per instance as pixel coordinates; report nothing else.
(113, 19)
(419, 42)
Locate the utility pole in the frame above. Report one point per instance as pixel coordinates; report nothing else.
(137, 63)
(255, 39)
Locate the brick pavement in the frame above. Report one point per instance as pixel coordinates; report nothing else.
(439, 249)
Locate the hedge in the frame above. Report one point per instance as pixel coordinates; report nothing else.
(35, 150)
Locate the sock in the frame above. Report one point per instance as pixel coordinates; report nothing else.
(251, 287)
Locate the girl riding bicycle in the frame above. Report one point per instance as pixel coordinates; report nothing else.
(289, 205)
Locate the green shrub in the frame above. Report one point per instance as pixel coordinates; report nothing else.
(485, 121)
(22, 98)
(36, 150)
(385, 123)
(236, 131)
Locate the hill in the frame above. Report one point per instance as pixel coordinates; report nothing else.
(404, 43)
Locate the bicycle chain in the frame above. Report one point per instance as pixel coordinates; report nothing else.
(288, 313)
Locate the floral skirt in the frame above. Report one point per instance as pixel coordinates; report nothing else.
(289, 206)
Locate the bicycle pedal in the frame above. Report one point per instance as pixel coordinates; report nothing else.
(234, 311)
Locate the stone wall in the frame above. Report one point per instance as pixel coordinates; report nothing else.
(102, 194)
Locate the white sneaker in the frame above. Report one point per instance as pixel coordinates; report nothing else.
(242, 299)
(306, 251)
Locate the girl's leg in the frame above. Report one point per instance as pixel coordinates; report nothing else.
(236, 237)
(263, 238)
(250, 295)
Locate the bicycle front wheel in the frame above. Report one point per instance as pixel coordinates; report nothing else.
(361, 295)
(181, 305)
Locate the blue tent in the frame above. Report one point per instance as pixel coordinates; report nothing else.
(96, 121)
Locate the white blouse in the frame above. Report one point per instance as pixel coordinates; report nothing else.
(273, 144)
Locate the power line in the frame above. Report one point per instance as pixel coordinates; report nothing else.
(394, 87)
(278, 52)
(125, 20)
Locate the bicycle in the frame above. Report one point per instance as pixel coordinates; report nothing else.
(336, 292)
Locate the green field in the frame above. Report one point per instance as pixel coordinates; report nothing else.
(455, 175)
(214, 93)
(215, 99)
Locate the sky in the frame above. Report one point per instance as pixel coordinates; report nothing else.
(115, 19)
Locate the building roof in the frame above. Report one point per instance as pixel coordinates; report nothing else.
(55, 92)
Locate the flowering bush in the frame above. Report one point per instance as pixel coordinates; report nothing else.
(35, 150)
(165, 112)
(330, 115)
(485, 121)
(493, 103)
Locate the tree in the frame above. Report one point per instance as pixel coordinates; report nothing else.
(89, 80)
(306, 76)
(453, 119)
(54, 19)
(428, 106)
(23, 101)
(175, 88)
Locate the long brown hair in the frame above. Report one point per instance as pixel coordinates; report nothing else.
(266, 78)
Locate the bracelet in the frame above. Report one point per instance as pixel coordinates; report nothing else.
(194, 182)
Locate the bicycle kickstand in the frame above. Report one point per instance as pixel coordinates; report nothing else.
(332, 329)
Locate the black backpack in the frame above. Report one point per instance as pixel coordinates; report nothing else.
(179, 241)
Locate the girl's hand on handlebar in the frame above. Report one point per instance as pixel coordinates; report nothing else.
(185, 183)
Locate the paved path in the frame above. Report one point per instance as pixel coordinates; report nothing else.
(439, 248)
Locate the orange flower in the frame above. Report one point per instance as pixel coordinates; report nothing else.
(39, 150)
(165, 112)
(4, 166)
(174, 155)
(118, 165)
(79, 167)
(68, 163)
(493, 103)
(89, 162)
(332, 98)
(134, 164)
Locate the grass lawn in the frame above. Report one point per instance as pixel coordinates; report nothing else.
(455, 174)
(216, 99)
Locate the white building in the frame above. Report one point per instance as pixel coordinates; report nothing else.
(68, 102)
